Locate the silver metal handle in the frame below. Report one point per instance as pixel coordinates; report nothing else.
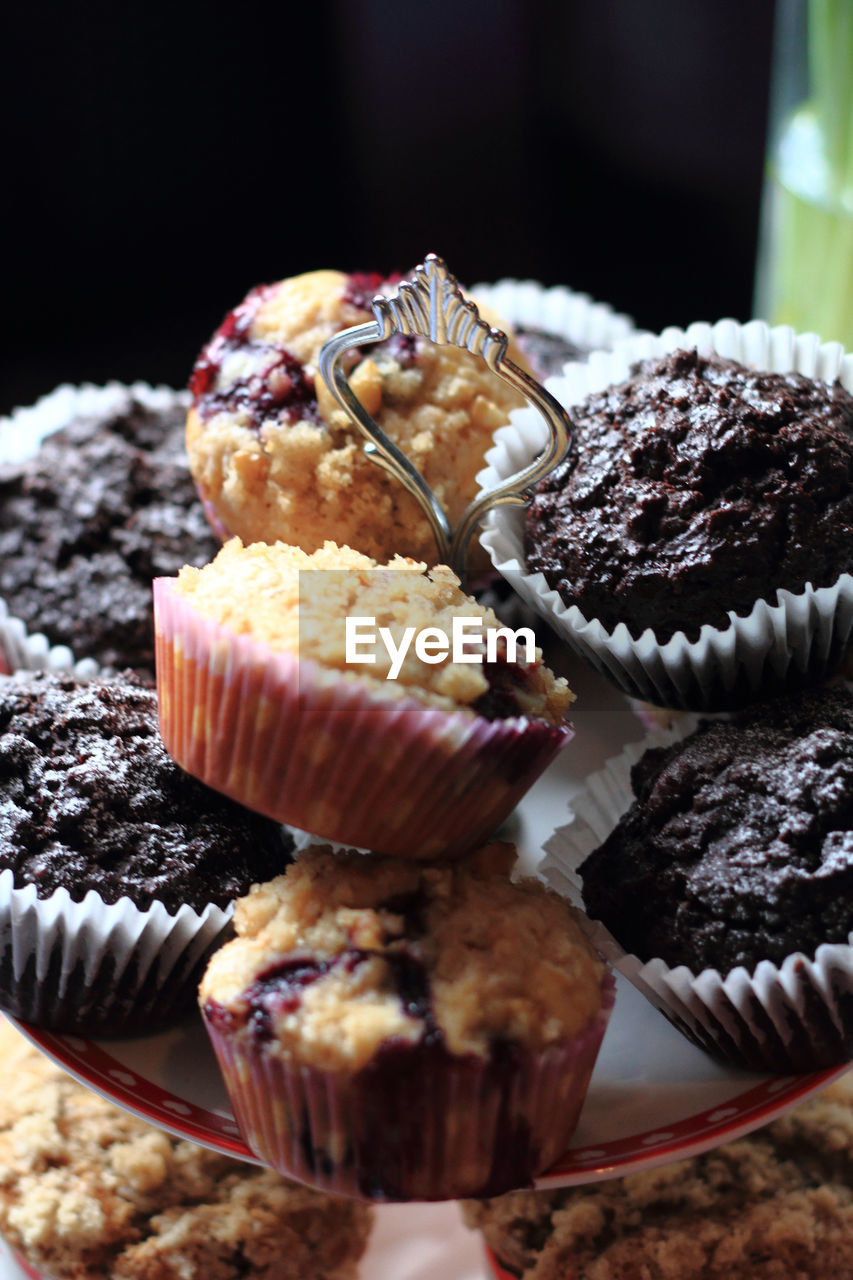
(431, 305)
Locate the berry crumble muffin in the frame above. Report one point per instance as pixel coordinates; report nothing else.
(259, 698)
(275, 458)
(399, 1030)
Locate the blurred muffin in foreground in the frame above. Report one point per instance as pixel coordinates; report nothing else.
(90, 1192)
(775, 1205)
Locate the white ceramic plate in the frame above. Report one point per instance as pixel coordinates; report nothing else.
(653, 1097)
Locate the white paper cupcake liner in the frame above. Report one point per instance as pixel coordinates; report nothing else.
(802, 635)
(21, 434)
(573, 316)
(797, 1016)
(99, 968)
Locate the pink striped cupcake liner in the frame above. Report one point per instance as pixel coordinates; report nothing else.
(324, 753)
(418, 1123)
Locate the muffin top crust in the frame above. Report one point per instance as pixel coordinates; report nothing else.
(693, 488)
(278, 460)
(89, 799)
(105, 505)
(298, 603)
(773, 1205)
(348, 952)
(88, 1190)
(739, 845)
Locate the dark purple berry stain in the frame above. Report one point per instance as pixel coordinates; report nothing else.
(412, 986)
(279, 991)
(279, 389)
(363, 286)
(500, 701)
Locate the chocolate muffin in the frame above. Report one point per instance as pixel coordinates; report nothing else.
(695, 488)
(99, 827)
(774, 1205)
(739, 847)
(105, 505)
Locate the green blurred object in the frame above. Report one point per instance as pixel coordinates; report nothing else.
(805, 262)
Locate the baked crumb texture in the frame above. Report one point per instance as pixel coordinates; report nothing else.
(463, 927)
(89, 1192)
(276, 458)
(104, 506)
(448, 1018)
(775, 1205)
(297, 603)
(304, 740)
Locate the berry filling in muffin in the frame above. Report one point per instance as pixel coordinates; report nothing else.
(414, 999)
(276, 458)
(256, 378)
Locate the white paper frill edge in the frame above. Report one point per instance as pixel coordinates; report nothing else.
(576, 317)
(63, 947)
(803, 632)
(21, 434)
(791, 1017)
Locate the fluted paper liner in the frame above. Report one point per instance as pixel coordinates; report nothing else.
(576, 317)
(803, 634)
(793, 1017)
(432, 1127)
(322, 752)
(20, 436)
(100, 968)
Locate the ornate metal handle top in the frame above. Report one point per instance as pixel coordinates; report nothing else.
(432, 306)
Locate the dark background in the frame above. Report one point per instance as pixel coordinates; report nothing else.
(159, 161)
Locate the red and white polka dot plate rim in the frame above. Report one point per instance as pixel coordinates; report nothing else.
(669, 1124)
